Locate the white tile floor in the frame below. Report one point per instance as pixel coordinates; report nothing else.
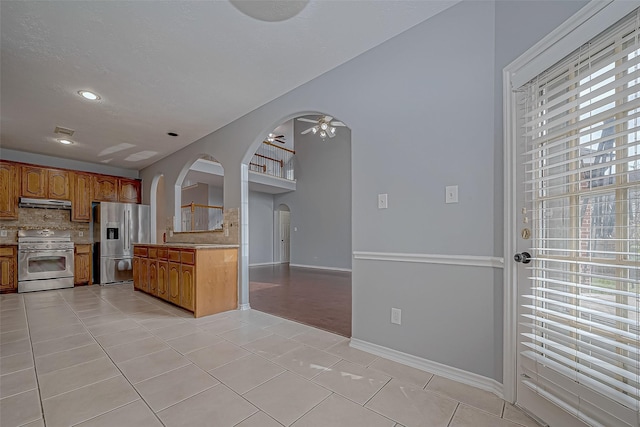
(109, 356)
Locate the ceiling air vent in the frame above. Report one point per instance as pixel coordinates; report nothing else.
(64, 131)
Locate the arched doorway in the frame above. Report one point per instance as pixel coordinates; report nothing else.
(311, 229)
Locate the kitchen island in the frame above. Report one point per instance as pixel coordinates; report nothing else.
(201, 278)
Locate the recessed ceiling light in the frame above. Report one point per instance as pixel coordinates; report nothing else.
(65, 141)
(88, 95)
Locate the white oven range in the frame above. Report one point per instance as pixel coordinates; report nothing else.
(45, 260)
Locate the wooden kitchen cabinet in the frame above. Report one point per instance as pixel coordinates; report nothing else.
(202, 279)
(9, 190)
(105, 188)
(136, 272)
(45, 183)
(82, 265)
(58, 184)
(8, 269)
(129, 190)
(187, 300)
(144, 274)
(81, 196)
(153, 277)
(163, 279)
(174, 283)
(34, 182)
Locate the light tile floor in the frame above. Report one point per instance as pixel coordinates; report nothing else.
(109, 356)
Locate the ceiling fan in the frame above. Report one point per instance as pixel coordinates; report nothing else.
(323, 126)
(275, 138)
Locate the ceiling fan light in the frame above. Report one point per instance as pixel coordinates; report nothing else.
(324, 126)
(332, 130)
(323, 134)
(314, 130)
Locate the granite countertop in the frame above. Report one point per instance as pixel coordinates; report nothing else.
(191, 245)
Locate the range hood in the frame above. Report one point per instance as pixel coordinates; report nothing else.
(26, 202)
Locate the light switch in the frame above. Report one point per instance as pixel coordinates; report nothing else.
(451, 194)
(382, 201)
(80, 233)
(3, 233)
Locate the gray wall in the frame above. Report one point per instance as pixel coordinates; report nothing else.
(59, 162)
(422, 113)
(321, 205)
(260, 228)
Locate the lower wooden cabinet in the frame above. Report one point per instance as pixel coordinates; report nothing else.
(200, 279)
(153, 277)
(8, 269)
(136, 272)
(187, 300)
(82, 265)
(163, 279)
(144, 274)
(174, 282)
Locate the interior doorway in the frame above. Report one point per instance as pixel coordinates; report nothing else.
(282, 234)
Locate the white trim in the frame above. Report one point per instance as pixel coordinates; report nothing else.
(455, 374)
(243, 307)
(463, 260)
(263, 263)
(319, 267)
(588, 22)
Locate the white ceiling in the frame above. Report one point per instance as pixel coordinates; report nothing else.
(185, 66)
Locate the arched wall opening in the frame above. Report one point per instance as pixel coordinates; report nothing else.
(317, 214)
(201, 182)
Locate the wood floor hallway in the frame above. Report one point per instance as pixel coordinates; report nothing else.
(320, 298)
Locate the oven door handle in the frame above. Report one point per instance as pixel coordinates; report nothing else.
(29, 251)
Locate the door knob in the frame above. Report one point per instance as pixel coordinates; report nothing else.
(523, 257)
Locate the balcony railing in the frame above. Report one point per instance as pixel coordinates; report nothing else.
(271, 159)
(197, 217)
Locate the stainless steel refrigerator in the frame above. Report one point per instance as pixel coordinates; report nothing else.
(116, 227)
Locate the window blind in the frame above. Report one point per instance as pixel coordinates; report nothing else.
(580, 321)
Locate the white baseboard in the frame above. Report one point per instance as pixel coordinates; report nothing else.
(242, 307)
(317, 267)
(455, 374)
(263, 263)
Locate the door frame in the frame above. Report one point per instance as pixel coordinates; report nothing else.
(277, 256)
(587, 23)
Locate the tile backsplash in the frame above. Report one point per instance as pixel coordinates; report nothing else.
(53, 219)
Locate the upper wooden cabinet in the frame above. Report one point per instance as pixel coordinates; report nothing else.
(9, 190)
(45, 183)
(129, 190)
(39, 182)
(105, 188)
(34, 182)
(58, 184)
(81, 196)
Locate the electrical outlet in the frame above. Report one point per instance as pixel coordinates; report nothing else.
(396, 316)
(80, 233)
(3, 233)
(382, 201)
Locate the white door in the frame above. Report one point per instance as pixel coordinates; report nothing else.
(578, 219)
(284, 236)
